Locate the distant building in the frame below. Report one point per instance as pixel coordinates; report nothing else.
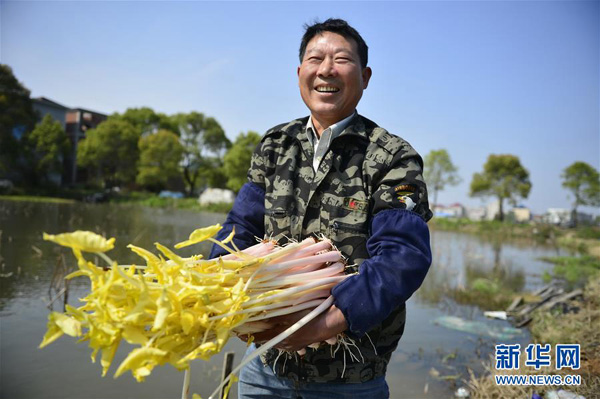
(455, 210)
(564, 217)
(78, 122)
(492, 210)
(75, 121)
(521, 214)
(216, 196)
(476, 214)
(44, 106)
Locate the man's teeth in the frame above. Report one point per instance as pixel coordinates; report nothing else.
(327, 89)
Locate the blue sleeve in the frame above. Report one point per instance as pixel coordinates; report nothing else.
(400, 256)
(247, 215)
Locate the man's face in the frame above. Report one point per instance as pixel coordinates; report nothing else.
(331, 78)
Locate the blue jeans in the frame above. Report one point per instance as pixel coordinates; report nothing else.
(257, 381)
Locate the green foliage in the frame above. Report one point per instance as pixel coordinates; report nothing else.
(237, 159)
(583, 181)
(49, 145)
(160, 155)
(439, 171)
(588, 232)
(111, 152)
(503, 177)
(204, 143)
(575, 270)
(145, 120)
(16, 116)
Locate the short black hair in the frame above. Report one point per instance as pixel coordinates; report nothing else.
(340, 27)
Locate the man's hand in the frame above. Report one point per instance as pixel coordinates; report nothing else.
(326, 325)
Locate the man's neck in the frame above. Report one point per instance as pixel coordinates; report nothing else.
(320, 124)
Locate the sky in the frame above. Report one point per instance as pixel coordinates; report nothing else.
(472, 77)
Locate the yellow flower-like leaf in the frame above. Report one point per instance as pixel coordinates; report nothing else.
(169, 254)
(140, 358)
(67, 324)
(164, 308)
(151, 259)
(85, 241)
(200, 235)
(107, 356)
(229, 237)
(51, 335)
(232, 381)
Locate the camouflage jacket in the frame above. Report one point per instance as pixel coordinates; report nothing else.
(369, 198)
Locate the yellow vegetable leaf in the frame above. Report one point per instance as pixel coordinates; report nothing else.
(169, 254)
(187, 321)
(67, 324)
(229, 237)
(151, 259)
(163, 310)
(232, 381)
(140, 358)
(199, 235)
(134, 335)
(51, 335)
(107, 356)
(85, 241)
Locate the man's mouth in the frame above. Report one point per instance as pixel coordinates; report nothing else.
(327, 89)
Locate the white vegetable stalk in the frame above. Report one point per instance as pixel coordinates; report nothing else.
(274, 341)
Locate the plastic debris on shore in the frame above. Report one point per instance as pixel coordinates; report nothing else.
(496, 314)
(562, 394)
(478, 327)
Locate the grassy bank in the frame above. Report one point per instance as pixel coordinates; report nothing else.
(134, 198)
(152, 200)
(32, 198)
(581, 239)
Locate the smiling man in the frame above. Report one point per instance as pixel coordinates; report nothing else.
(336, 173)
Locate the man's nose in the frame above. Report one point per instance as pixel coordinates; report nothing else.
(327, 67)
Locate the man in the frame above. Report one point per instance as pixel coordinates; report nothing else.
(339, 174)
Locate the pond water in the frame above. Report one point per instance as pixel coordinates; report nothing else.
(30, 280)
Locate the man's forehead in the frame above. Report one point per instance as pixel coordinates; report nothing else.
(326, 39)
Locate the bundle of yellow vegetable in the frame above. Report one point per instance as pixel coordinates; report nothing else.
(179, 309)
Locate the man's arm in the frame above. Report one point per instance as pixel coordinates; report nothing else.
(398, 247)
(248, 212)
(247, 216)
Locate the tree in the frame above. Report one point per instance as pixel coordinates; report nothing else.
(111, 150)
(439, 172)
(49, 146)
(145, 120)
(237, 159)
(504, 177)
(583, 181)
(17, 117)
(160, 156)
(204, 144)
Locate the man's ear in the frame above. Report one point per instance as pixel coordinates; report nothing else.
(298, 71)
(366, 75)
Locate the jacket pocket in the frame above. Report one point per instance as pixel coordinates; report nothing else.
(341, 227)
(277, 224)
